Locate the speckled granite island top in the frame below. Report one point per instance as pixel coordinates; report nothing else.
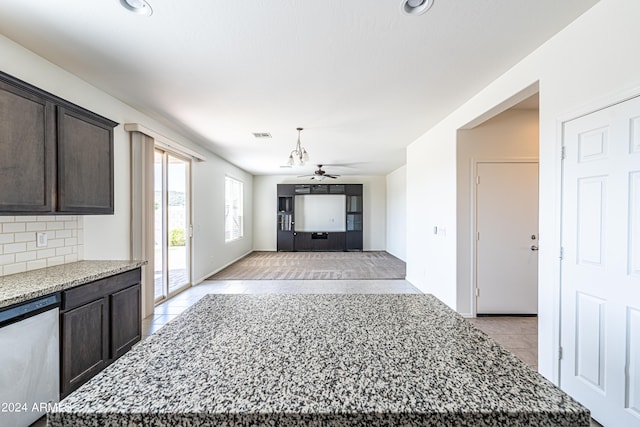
(319, 360)
(22, 287)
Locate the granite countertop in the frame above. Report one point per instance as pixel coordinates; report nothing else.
(321, 360)
(22, 287)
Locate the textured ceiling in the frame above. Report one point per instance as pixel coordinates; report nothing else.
(363, 79)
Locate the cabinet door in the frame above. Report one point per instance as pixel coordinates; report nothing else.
(354, 238)
(125, 320)
(85, 164)
(285, 225)
(285, 240)
(84, 349)
(27, 132)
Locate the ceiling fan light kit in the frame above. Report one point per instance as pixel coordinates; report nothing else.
(319, 175)
(299, 153)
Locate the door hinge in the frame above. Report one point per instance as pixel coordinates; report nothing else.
(190, 230)
(478, 235)
(561, 253)
(477, 292)
(563, 153)
(560, 353)
(477, 179)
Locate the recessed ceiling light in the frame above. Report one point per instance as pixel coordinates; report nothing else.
(141, 7)
(415, 7)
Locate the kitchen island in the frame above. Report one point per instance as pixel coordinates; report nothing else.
(322, 360)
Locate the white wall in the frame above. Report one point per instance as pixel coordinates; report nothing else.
(108, 236)
(594, 58)
(374, 209)
(212, 253)
(510, 135)
(397, 213)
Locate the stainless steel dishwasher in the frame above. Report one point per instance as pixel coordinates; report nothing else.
(29, 360)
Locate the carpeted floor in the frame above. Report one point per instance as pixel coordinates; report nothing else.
(314, 266)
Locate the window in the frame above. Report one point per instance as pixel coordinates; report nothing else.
(233, 220)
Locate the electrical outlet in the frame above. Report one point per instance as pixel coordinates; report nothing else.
(41, 239)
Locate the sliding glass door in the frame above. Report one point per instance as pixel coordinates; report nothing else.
(172, 224)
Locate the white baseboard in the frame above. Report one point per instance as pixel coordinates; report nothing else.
(203, 278)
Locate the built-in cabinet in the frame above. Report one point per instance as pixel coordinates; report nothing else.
(99, 322)
(354, 217)
(55, 157)
(285, 225)
(289, 239)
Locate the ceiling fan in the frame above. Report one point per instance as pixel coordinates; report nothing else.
(319, 175)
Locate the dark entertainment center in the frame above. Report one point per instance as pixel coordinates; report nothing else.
(319, 217)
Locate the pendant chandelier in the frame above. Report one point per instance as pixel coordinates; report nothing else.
(299, 154)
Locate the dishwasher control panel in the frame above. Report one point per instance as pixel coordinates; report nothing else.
(19, 311)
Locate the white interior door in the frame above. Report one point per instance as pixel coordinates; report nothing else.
(507, 238)
(600, 297)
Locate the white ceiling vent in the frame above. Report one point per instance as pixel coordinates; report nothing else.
(262, 134)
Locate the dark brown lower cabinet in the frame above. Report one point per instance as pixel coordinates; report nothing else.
(84, 332)
(333, 241)
(99, 322)
(125, 320)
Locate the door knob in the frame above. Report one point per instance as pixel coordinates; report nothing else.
(534, 248)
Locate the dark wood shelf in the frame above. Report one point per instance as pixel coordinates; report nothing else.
(288, 239)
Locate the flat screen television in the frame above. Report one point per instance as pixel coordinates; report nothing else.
(320, 212)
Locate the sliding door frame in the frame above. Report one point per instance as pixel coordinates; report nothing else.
(167, 292)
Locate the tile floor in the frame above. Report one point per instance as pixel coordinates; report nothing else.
(519, 335)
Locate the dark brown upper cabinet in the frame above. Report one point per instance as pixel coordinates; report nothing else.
(55, 157)
(27, 126)
(85, 164)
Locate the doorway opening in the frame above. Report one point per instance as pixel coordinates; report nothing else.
(505, 143)
(505, 137)
(172, 224)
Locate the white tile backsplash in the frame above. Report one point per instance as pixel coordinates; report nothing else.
(36, 226)
(18, 267)
(24, 237)
(13, 227)
(13, 248)
(18, 250)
